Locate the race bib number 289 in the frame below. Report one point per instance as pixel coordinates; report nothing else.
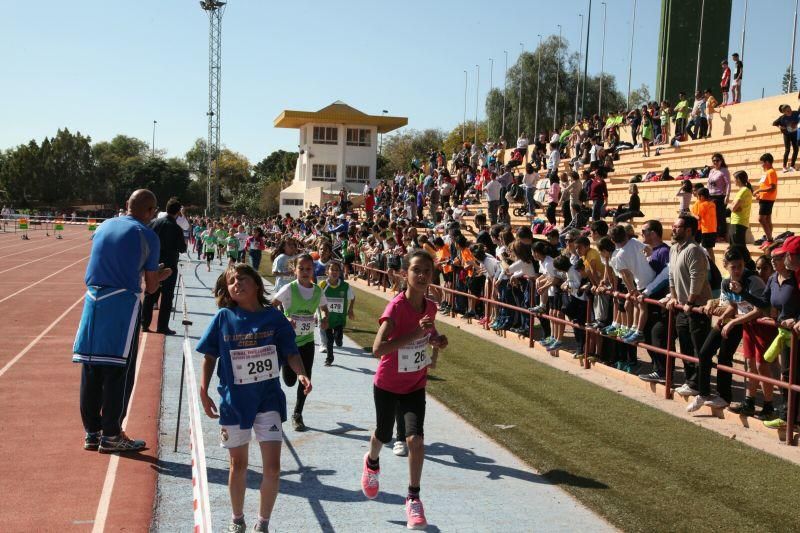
(251, 365)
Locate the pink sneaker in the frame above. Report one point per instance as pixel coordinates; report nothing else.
(416, 514)
(369, 480)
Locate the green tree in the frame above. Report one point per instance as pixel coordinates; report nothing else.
(786, 85)
(197, 157)
(279, 165)
(640, 96)
(404, 146)
(234, 171)
(68, 169)
(453, 142)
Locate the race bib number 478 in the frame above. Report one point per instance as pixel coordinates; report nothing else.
(251, 365)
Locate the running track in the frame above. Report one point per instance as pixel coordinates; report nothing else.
(47, 480)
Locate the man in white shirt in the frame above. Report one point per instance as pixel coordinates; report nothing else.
(492, 190)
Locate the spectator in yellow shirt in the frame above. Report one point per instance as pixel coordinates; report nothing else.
(711, 107)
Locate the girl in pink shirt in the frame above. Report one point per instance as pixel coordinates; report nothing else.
(406, 330)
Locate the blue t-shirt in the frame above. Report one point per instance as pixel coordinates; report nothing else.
(235, 329)
(122, 247)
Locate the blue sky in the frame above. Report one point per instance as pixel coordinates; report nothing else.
(108, 67)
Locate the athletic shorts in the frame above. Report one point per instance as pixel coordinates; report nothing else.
(708, 240)
(725, 88)
(756, 338)
(209, 256)
(267, 428)
(410, 406)
(233, 255)
(765, 207)
(476, 284)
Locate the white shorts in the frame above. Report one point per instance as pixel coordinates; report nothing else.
(267, 427)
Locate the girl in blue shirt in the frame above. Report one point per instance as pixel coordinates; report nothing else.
(251, 340)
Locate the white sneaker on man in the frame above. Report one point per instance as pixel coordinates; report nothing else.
(696, 403)
(686, 391)
(715, 402)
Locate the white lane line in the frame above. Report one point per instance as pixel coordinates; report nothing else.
(28, 250)
(43, 279)
(111, 474)
(41, 258)
(39, 337)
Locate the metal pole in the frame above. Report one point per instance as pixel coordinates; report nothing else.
(154, 138)
(538, 81)
(505, 92)
(491, 86)
(794, 38)
(477, 87)
(630, 56)
(586, 58)
(744, 27)
(180, 402)
(519, 99)
(558, 69)
(700, 46)
(464, 123)
(578, 71)
(602, 64)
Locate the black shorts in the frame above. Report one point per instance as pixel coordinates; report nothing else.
(725, 88)
(708, 240)
(410, 406)
(476, 285)
(209, 256)
(765, 207)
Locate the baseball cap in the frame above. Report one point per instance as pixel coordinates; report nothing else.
(790, 246)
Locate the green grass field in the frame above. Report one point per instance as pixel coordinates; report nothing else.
(640, 468)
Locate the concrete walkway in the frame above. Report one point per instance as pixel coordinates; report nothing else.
(469, 483)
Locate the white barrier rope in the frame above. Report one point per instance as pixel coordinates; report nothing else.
(202, 508)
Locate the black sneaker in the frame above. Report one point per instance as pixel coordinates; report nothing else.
(766, 413)
(745, 408)
(784, 235)
(297, 422)
(91, 441)
(652, 377)
(121, 443)
(759, 242)
(328, 362)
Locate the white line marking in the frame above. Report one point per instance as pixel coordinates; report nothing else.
(25, 251)
(38, 338)
(111, 473)
(35, 260)
(43, 279)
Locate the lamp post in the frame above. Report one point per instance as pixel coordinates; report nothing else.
(630, 56)
(491, 86)
(744, 27)
(380, 148)
(586, 58)
(464, 122)
(519, 98)
(153, 146)
(794, 38)
(578, 71)
(558, 68)
(602, 65)
(538, 81)
(477, 88)
(505, 92)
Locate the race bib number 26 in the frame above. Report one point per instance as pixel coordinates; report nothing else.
(251, 365)
(414, 356)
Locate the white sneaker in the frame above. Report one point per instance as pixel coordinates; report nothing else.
(400, 448)
(686, 391)
(697, 403)
(324, 349)
(715, 402)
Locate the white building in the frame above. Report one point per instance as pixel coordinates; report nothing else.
(338, 148)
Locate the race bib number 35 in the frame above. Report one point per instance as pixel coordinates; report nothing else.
(251, 365)
(336, 305)
(413, 357)
(303, 324)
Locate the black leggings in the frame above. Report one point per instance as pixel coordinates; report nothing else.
(726, 347)
(290, 378)
(551, 213)
(411, 407)
(789, 141)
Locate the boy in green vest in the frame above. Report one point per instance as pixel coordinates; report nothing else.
(340, 298)
(222, 237)
(232, 244)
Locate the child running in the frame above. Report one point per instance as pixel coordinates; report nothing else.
(209, 239)
(406, 328)
(300, 300)
(251, 340)
(340, 298)
(232, 245)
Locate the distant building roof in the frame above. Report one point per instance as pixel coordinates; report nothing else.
(338, 113)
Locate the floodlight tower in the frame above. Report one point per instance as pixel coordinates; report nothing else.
(215, 10)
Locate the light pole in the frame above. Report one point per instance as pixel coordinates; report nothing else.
(744, 26)
(519, 98)
(477, 88)
(380, 148)
(491, 86)
(602, 65)
(464, 123)
(794, 38)
(700, 45)
(630, 57)
(153, 146)
(505, 92)
(578, 71)
(538, 80)
(558, 68)
(586, 58)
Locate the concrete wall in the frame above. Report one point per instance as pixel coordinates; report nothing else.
(339, 154)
